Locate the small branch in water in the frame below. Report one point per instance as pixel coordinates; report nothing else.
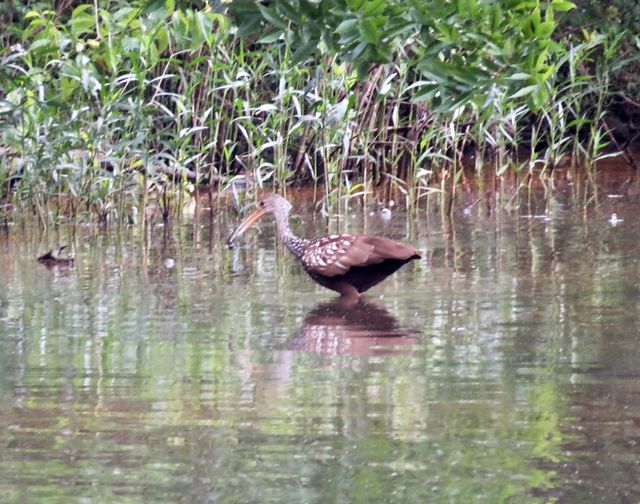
(628, 100)
(625, 155)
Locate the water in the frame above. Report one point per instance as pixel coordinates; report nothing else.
(503, 366)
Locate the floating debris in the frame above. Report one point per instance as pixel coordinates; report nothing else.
(543, 217)
(614, 220)
(52, 258)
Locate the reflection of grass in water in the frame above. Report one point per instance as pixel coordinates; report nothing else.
(126, 377)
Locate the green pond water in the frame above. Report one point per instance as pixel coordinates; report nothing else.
(504, 366)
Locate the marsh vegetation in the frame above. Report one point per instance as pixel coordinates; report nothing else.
(162, 366)
(114, 110)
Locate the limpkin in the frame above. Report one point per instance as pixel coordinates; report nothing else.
(346, 263)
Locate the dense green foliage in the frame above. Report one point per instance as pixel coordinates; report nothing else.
(106, 108)
(466, 51)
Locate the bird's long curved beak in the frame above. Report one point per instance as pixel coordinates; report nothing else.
(244, 225)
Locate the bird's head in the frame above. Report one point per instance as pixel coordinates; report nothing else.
(268, 204)
(272, 203)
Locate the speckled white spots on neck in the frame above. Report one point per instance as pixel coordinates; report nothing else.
(294, 243)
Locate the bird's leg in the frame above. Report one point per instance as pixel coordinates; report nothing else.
(347, 291)
(347, 302)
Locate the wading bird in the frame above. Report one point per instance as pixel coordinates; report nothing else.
(346, 263)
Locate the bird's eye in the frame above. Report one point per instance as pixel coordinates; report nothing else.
(261, 204)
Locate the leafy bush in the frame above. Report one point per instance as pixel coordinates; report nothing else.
(463, 50)
(132, 104)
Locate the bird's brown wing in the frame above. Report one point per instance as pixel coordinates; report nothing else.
(336, 254)
(385, 248)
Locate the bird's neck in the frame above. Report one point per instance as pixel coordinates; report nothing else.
(294, 243)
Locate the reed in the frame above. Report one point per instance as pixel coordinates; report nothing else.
(117, 115)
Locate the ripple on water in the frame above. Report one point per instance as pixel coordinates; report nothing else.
(501, 366)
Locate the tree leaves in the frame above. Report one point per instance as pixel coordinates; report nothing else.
(465, 46)
(562, 5)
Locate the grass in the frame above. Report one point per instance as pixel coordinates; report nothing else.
(109, 137)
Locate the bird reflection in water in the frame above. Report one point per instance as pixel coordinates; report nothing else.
(352, 326)
(341, 327)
